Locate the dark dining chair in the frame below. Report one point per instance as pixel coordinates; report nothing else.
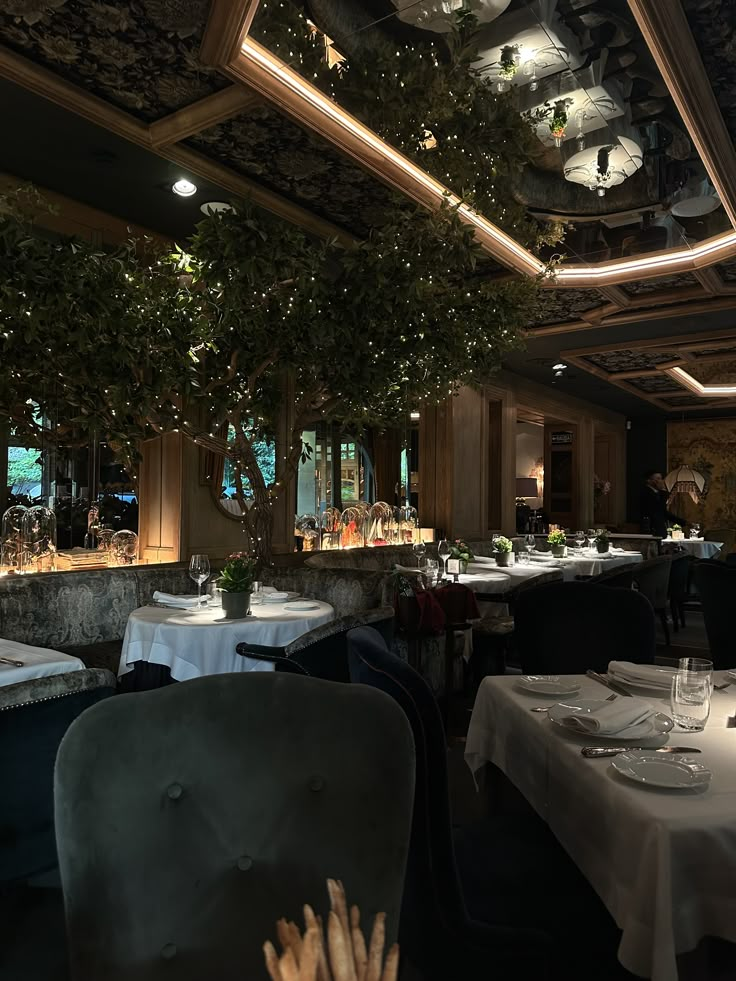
(619, 577)
(716, 585)
(569, 627)
(652, 579)
(321, 652)
(678, 590)
(436, 935)
(191, 818)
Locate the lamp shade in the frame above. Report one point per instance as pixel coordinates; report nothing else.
(526, 487)
(684, 480)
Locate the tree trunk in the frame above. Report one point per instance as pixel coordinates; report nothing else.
(260, 525)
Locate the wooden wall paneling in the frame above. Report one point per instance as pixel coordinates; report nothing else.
(202, 115)
(436, 466)
(160, 499)
(603, 470)
(469, 464)
(387, 463)
(494, 482)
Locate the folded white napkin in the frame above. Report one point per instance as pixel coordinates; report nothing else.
(274, 596)
(268, 589)
(651, 675)
(178, 602)
(610, 717)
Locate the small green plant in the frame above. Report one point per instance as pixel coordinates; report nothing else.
(557, 538)
(504, 544)
(461, 550)
(238, 573)
(509, 61)
(676, 528)
(601, 537)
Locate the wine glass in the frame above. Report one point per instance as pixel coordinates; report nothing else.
(444, 551)
(419, 549)
(199, 571)
(590, 535)
(530, 543)
(580, 540)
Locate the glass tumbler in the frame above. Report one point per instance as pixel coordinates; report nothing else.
(692, 687)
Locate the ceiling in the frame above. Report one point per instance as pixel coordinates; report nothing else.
(142, 93)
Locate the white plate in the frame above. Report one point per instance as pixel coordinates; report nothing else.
(551, 685)
(655, 726)
(276, 597)
(301, 607)
(676, 771)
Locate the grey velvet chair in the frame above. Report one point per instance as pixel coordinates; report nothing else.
(34, 715)
(189, 819)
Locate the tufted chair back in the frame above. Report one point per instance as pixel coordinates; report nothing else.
(189, 819)
(373, 558)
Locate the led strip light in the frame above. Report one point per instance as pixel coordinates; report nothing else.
(705, 391)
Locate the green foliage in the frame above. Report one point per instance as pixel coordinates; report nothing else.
(503, 544)
(601, 537)
(461, 550)
(238, 573)
(557, 538)
(24, 469)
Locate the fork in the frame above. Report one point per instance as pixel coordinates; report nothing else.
(546, 708)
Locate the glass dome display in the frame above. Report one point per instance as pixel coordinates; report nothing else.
(407, 522)
(306, 527)
(11, 549)
(331, 524)
(353, 527)
(123, 548)
(382, 527)
(39, 539)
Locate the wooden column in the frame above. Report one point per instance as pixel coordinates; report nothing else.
(387, 463)
(436, 463)
(586, 472)
(160, 499)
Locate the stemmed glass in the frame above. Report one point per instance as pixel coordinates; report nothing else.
(590, 535)
(419, 549)
(530, 543)
(580, 540)
(444, 553)
(199, 571)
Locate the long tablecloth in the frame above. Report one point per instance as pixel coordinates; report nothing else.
(587, 564)
(194, 643)
(662, 861)
(38, 662)
(696, 546)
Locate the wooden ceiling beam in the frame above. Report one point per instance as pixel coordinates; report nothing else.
(615, 295)
(632, 316)
(202, 115)
(668, 37)
(227, 25)
(710, 281)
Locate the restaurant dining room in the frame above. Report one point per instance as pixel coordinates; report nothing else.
(367, 490)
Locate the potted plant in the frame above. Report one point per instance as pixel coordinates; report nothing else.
(461, 550)
(509, 61)
(677, 533)
(504, 548)
(558, 122)
(557, 540)
(236, 583)
(602, 541)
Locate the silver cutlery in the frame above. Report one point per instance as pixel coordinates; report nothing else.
(546, 708)
(8, 660)
(593, 752)
(611, 685)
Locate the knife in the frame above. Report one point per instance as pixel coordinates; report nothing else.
(7, 660)
(602, 680)
(593, 752)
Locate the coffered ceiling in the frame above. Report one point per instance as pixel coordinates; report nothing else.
(187, 85)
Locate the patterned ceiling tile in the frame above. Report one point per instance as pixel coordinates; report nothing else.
(655, 384)
(265, 146)
(140, 55)
(713, 26)
(685, 401)
(643, 287)
(715, 372)
(718, 349)
(615, 361)
(727, 270)
(560, 306)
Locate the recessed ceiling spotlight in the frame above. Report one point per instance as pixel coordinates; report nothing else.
(215, 207)
(184, 188)
(559, 366)
(559, 374)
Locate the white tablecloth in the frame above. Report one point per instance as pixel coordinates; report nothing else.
(696, 546)
(662, 861)
(193, 643)
(486, 579)
(588, 564)
(37, 662)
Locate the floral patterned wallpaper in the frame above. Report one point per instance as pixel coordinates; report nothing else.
(710, 447)
(624, 360)
(713, 25)
(140, 55)
(559, 306)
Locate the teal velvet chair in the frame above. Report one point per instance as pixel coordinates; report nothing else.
(189, 819)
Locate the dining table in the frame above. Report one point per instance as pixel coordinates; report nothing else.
(586, 562)
(662, 861)
(489, 580)
(23, 662)
(698, 547)
(193, 643)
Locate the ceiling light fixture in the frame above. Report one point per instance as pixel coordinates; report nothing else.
(414, 415)
(215, 207)
(184, 188)
(559, 366)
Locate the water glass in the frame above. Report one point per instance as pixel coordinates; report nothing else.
(692, 687)
(214, 593)
(523, 558)
(430, 568)
(580, 540)
(256, 595)
(199, 571)
(530, 543)
(444, 551)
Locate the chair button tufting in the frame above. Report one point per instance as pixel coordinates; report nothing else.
(316, 783)
(175, 791)
(168, 951)
(245, 862)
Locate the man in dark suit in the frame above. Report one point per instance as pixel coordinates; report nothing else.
(653, 507)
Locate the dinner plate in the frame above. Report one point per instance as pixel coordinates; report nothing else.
(732, 674)
(657, 725)
(551, 685)
(301, 606)
(675, 771)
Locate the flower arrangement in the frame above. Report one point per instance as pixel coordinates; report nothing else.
(558, 122)
(509, 61)
(504, 544)
(602, 540)
(557, 538)
(461, 550)
(238, 573)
